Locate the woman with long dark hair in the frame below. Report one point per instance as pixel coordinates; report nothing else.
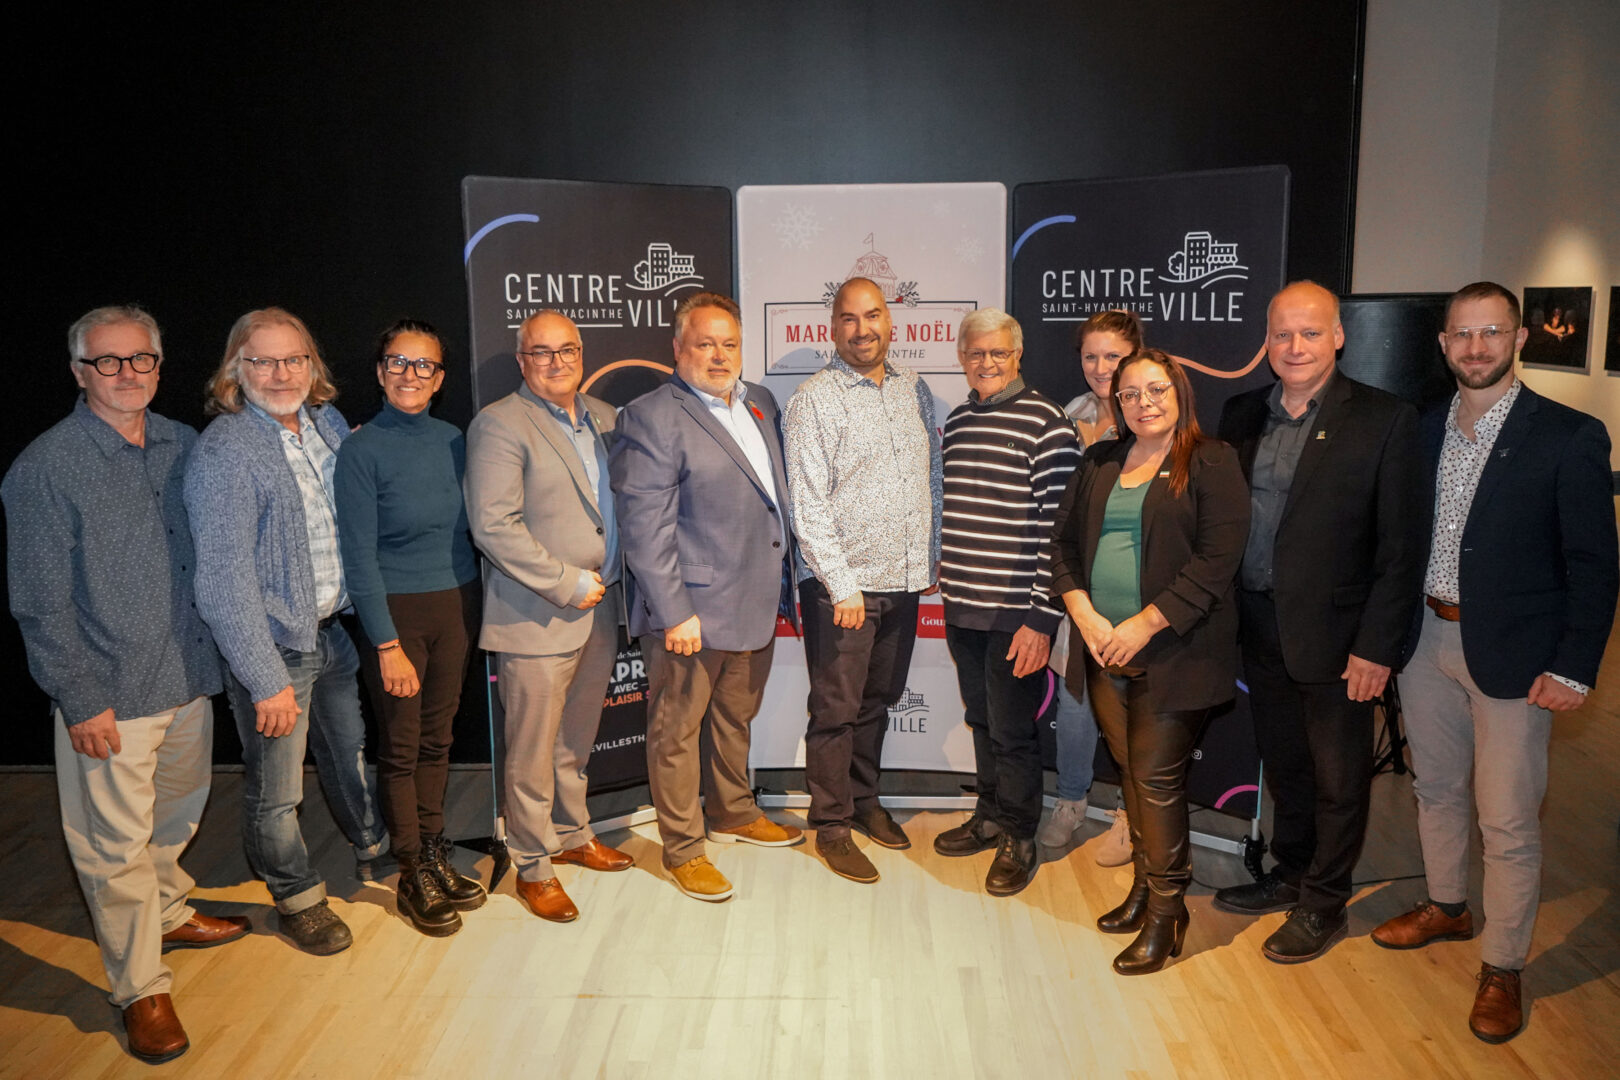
(1149, 538)
(409, 564)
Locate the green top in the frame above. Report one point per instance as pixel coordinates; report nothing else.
(1116, 573)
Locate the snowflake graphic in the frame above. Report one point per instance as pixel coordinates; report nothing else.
(796, 226)
(969, 250)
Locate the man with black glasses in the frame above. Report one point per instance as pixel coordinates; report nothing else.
(100, 565)
(541, 510)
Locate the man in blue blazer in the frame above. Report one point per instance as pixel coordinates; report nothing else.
(1522, 579)
(704, 519)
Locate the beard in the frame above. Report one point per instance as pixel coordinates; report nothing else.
(1487, 378)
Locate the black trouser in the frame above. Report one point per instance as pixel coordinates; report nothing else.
(855, 675)
(1316, 745)
(1152, 750)
(436, 631)
(1001, 713)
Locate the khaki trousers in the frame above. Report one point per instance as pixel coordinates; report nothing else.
(127, 819)
(698, 711)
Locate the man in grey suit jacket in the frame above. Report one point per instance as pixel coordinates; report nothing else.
(702, 494)
(541, 511)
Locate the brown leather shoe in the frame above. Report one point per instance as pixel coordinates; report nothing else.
(1423, 924)
(701, 880)
(595, 855)
(205, 931)
(762, 831)
(1498, 1014)
(155, 1034)
(547, 900)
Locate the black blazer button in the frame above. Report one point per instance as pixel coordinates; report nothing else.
(599, 530)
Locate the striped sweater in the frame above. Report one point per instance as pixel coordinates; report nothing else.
(1007, 462)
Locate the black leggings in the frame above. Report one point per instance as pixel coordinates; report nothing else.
(437, 631)
(1152, 750)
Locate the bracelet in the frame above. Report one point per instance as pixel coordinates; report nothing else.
(388, 648)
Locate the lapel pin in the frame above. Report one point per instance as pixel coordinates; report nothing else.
(1321, 435)
(755, 410)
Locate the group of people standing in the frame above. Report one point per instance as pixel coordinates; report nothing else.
(1324, 540)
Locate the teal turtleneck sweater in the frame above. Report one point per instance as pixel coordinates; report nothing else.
(402, 525)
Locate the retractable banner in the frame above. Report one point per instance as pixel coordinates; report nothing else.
(938, 252)
(617, 259)
(1197, 256)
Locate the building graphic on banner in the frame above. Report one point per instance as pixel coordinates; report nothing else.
(664, 268)
(909, 713)
(1201, 257)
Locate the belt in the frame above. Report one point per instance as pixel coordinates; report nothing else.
(1448, 612)
(326, 622)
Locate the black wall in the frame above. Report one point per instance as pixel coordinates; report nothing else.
(310, 155)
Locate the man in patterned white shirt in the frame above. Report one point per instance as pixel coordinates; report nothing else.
(270, 586)
(1521, 587)
(863, 464)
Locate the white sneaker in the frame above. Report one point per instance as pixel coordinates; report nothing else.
(1067, 816)
(1115, 847)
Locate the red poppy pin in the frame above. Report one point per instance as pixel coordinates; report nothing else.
(755, 410)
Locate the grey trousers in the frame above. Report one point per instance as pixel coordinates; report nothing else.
(698, 712)
(127, 818)
(1469, 749)
(553, 705)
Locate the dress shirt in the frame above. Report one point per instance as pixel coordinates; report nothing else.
(100, 562)
(588, 444)
(312, 463)
(734, 417)
(864, 471)
(1276, 459)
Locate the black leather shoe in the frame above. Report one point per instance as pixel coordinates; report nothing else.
(1161, 938)
(1129, 916)
(422, 899)
(974, 835)
(1270, 893)
(465, 893)
(1305, 936)
(882, 829)
(317, 930)
(1014, 866)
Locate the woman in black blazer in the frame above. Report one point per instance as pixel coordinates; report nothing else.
(1149, 537)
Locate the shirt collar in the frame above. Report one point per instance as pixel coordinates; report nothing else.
(1274, 401)
(1489, 425)
(106, 438)
(1011, 389)
(557, 410)
(851, 377)
(739, 396)
(303, 419)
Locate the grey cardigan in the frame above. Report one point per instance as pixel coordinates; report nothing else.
(255, 585)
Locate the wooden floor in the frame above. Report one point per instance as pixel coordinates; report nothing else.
(806, 975)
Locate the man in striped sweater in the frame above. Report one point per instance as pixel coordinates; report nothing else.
(1009, 453)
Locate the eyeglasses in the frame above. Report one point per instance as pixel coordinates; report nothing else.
(566, 355)
(1490, 335)
(266, 365)
(142, 363)
(1155, 392)
(1000, 356)
(425, 368)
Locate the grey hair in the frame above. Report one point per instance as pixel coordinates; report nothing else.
(989, 321)
(112, 314)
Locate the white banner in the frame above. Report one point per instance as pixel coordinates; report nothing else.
(938, 251)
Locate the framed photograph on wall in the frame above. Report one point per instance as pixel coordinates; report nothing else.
(1559, 321)
(1611, 349)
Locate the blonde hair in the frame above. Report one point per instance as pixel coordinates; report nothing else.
(224, 392)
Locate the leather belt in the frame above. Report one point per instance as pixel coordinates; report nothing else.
(1448, 612)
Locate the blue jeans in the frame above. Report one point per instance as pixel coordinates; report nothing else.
(1076, 744)
(329, 722)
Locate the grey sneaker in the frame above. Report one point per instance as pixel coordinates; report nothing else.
(317, 930)
(1114, 849)
(1067, 817)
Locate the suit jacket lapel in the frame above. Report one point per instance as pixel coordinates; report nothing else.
(698, 409)
(551, 432)
(773, 447)
(1323, 429)
(1515, 429)
(1252, 424)
(1102, 484)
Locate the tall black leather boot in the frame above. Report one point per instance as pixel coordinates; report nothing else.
(1130, 915)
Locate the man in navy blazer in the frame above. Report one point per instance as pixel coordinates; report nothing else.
(1521, 585)
(704, 519)
(1325, 594)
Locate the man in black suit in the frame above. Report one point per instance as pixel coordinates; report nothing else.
(1522, 580)
(1332, 570)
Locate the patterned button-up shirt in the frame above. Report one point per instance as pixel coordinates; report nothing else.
(100, 566)
(312, 463)
(864, 471)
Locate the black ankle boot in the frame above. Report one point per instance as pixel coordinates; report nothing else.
(465, 893)
(1129, 916)
(1162, 935)
(421, 899)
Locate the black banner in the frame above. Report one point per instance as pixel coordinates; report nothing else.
(1196, 256)
(617, 259)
